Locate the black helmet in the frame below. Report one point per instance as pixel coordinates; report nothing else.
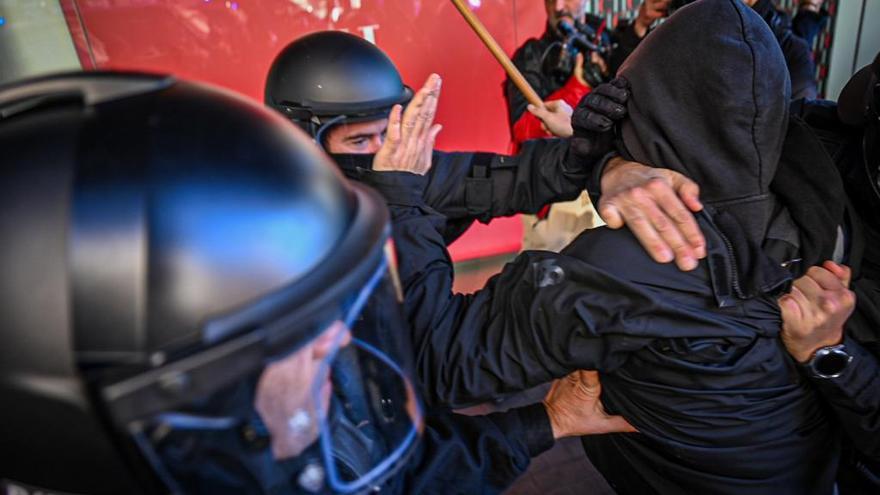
(331, 77)
(171, 252)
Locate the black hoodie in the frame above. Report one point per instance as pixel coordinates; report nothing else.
(692, 359)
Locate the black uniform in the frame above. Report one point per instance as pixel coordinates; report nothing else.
(465, 186)
(474, 454)
(692, 359)
(854, 397)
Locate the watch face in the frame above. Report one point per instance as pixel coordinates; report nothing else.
(832, 363)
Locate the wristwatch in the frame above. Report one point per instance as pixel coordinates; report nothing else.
(829, 361)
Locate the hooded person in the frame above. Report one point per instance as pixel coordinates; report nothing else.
(692, 359)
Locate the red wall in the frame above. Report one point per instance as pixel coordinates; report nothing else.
(232, 44)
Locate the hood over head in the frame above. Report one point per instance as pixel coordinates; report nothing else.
(710, 95)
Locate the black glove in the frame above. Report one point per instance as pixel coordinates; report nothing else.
(593, 123)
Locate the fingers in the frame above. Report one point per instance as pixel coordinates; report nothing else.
(688, 191)
(825, 278)
(637, 211)
(620, 82)
(616, 91)
(604, 105)
(660, 221)
(809, 287)
(588, 120)
(679, 202)
(791, 309)
(392, 133)
(611, 214)
(558, 107)
(418, 124)
(432, 136)
(842, 272)
(429, 148)
(426, 106)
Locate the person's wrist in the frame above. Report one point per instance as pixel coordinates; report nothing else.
(612, 167)
(612, 164)
(804, 352)
(556, 425)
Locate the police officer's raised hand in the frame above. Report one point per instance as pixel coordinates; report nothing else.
(409, 140)
(814, 312)
(656, 205)
(574, 407)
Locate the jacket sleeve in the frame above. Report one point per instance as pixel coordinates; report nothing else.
(476, 454)
(485, 185)
(854, 397)
(524, 328)
(468, 186)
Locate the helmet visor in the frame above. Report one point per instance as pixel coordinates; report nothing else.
(336, 414)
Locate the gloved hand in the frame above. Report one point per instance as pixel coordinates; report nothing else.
(593, 122)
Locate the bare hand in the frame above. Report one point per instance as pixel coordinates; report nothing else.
(555, 117)
(657, 205)
(814, 312)
(575, 409)
(409, 140)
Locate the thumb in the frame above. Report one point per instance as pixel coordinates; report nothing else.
(617, 424)
(536, 110)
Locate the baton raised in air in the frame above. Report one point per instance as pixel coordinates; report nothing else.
(515, 75)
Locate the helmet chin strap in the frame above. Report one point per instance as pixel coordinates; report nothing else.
(319, 134)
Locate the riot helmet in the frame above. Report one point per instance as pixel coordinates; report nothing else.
(331, 77)
(195, 299)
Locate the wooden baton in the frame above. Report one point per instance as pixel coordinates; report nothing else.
(515, 75)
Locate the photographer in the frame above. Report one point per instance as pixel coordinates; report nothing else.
(550, 66)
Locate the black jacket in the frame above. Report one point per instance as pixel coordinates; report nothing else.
(691, 359)
(474, 454)
(473, 186)
(854, 397)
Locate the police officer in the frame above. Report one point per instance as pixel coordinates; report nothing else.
(195, 302)
(344, 91)
(840, 353)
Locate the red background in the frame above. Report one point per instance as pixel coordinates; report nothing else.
(232, 44)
